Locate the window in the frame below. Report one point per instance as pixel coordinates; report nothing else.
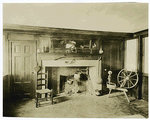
(131, 55)
(145, 55)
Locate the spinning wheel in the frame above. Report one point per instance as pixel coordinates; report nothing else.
(127, 79)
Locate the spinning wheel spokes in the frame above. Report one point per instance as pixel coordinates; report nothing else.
(130, 73)
(124, 74)
(131, 82)
(121, 81)
(128, 84)
(133, 75)
(127, 79)
(133, 79)
(121, 76)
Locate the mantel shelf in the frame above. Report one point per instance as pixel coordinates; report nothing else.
(70, 54)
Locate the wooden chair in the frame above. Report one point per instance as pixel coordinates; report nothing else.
(42, 91)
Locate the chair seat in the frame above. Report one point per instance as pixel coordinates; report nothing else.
(43, 91)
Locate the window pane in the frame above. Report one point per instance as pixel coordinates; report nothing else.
(131, 54)
(145, 55)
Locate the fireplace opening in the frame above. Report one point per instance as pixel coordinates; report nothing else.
(64, 67)
(71, 84)
(58, 76)
(63, 79)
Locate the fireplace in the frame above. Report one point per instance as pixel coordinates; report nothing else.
(61, 69)
(67, 82)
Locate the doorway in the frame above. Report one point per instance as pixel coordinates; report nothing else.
(23, 61)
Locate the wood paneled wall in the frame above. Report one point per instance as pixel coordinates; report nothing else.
(6, 75)
(112, 58)
(51, 56)
(145, 87)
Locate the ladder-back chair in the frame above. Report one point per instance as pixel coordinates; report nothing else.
(42, 92)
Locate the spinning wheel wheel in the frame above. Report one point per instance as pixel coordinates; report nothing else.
(127, 79)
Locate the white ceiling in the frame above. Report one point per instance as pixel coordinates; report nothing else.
(115, 17)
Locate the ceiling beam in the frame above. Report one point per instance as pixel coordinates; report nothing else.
(50, 30)
(141, 33)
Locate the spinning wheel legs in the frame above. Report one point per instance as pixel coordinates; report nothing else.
(120, 89)
(109, 93)
(126, 96)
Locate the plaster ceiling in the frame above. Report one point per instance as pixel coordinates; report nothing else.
(114, 17)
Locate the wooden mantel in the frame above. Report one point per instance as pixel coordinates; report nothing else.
(93, 65)
(70, 63)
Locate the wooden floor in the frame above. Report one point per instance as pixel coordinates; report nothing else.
(75, 106)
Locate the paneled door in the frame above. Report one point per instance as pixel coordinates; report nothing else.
(23, 61)
(112, 59)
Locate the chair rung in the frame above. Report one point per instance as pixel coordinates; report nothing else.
(41, 85)
(42, 79)
(41, 73)
(41, 99)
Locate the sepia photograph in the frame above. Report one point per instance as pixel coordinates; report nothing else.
(75, 59)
